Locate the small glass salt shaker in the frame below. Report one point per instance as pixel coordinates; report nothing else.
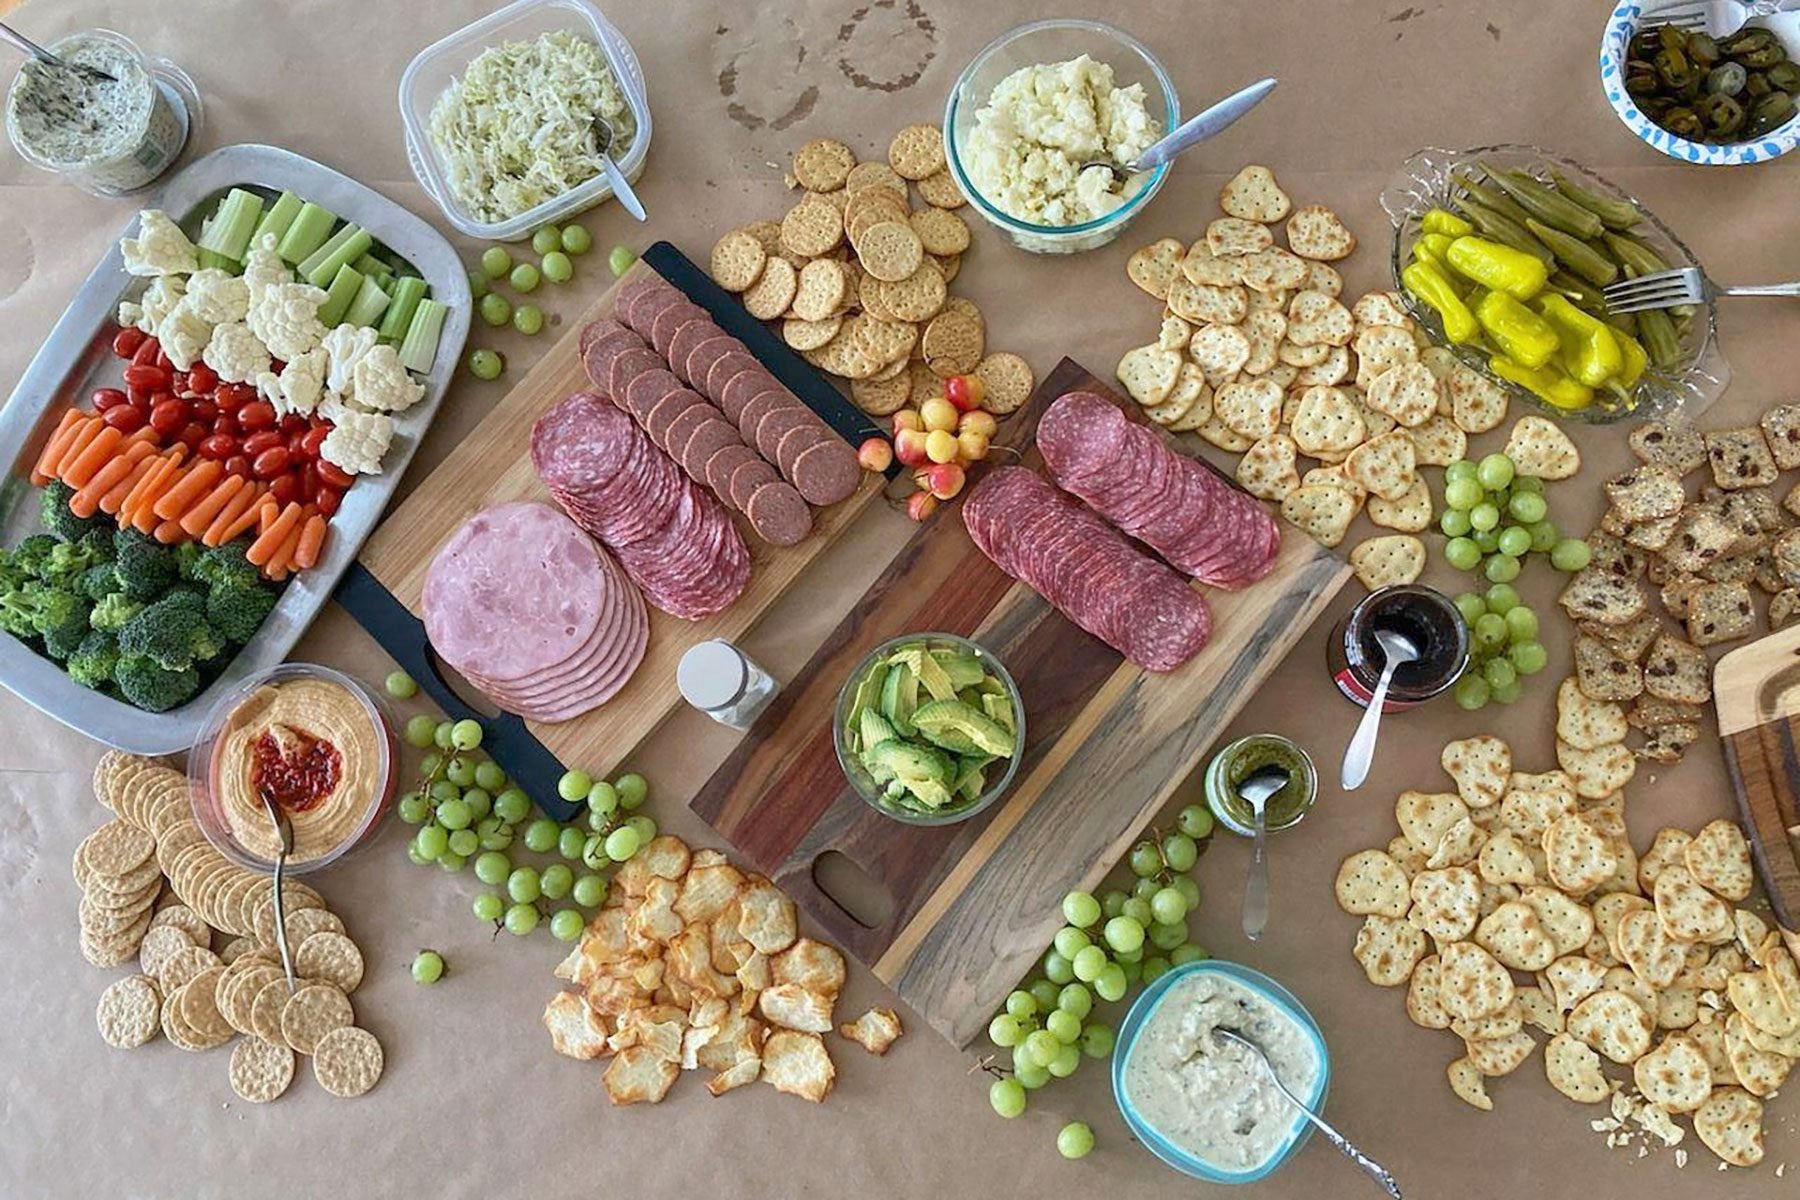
(724, 683)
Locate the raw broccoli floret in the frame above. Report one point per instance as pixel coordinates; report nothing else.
(98, 582)
(94, 660)
(238, 611)
(58, 518)
(187, 557)
(36, 609)
(67, 562)
(33, 554)
(113, 611)
(152, 687)
(172, 632)
(100, 541)
(61, 640)
(146, 568)
(227, 564)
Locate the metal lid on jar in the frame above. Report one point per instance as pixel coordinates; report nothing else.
(712, 675)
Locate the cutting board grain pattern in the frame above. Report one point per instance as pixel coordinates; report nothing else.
(1106, 742)
(493, 466)
(1756, 689)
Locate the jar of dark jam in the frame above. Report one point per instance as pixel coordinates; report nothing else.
(1425, 617)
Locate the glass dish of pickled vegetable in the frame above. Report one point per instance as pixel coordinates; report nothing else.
(1501, 253)
(1704, 89)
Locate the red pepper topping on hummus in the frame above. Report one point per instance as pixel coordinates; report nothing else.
(293, 768)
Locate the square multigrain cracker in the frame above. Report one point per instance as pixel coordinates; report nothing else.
(1720, 612)
(1676, 446)
(1740, 458)
(1781, 430)
(1603, 675)
(1597, 595)
(1646, 493)
(1676, 670)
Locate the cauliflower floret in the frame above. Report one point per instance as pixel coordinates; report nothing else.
(218, 296)
(347, 344)
(357, 440)
(234, 352)
(130, 313)
(379, 382)
(160, 248)
(184, 334)
(263, 267)
(286, 317)
(159, 300)
(300, 386)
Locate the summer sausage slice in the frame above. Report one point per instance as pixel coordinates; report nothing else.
(826, 472)
(642, 393)
(700, 359)
(723, 462)
(673, 403)
(778, 514)
(627, 366)
(724, 370)
(747, 478)
(670, 321)
(760, 406)
(743, 388)
(802, 436)
(776, 423)
(712, 436)
(687, 340)
(684, 425)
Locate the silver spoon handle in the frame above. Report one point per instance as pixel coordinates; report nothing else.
(1361, 753)
(17, 40)
(281, 938)
(1373, 1169)
(1208, 123)
(1256, 885)
(622, 188)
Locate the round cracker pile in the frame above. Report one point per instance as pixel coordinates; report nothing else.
(1515, 902)
(194, 997)
(859, 278)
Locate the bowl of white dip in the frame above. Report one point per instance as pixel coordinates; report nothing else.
(1034, 106)
(1210, 1110)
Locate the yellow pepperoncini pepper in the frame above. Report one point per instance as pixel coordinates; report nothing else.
(1440, 221)
(1432, 248)
(1547, 383)
(1518, 274)
(1635, 356)
(1519, 334)
(1590, 349)
(1430, 286)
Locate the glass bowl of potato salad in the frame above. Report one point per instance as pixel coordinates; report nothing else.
(1032, 119)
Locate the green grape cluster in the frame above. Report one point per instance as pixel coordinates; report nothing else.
(1108, 944)
(556, 248)
(469, 814)
(1503, 646)
(1494, 517)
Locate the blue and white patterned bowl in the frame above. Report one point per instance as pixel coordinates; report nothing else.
(1620, 26)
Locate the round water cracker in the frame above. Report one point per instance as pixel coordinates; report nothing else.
(819, 290)
(1409, 514)
(953, 344)
(1388, 949)
(1445, 902)
(1730, 1125)
(311, 1013)
(737, 261)
(1687, 911)
(109, 772)
(1569, 922)
(1613, 1024)
(130, 1012)
(1316, 232)
(1719, 859)
(159, 944)
(1253, 195)
(199, 1005)
(948, 265)
(1470, 1086)
(1574, 1069)
(238, 993)
(1221, 351)
(1334, 368)
(1321, 511)
(1370, 881)
(889, 250)
(1407, 393)
(1503, 859)
(1515, 936)
(175, 1029)
(1650, 953)
(1674, 1076)
(1578, 857)
(882, 342)
(823, 165)
(1317, 319)
(1006, 382)
(1385, 466)
(185, 919)
(767, 233)
(294, 897)
(348, 1061)
(305, 922)
(1208, 304)
(1471, 983)
(1327, 419)
(810, 335)
(918, 297)
(1423, 1007)
(939, 190)
(183, 966)
(266, 1009)
(260, 1070)
(1500, 1055)
(1234, 236)
(332, 958)
(917, 152)
(771, 294)
(812, 227)
(1154, 268)
(941, 232)
(1273, 270)
(1760, 1072)
(1389, 559)
(117, 849)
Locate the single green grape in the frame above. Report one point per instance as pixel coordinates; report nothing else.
(479, 801)
(1007, 1097)
(412, 853)
(489, 906)
(524, 278)
(1472, 607)
(1124, 934)
(418, 730)
(1470, 692)
(1521, 624)
(1181, 956)
(496, 261)
(1484, 516)
(1137, 909)
(1021, 1005)
(432, 763)
(603, 798)
(593, 852)
(1495, 472)
(496, 310)
(1065, 1027)
(414, 808)
(1527, 507)
(1143, 889)
(1111, 983)
(546, 239)
(1144, 861)
(400, 685)
(521, 919)
(450, 860)
(1155, 968)
(1031, 1077)
(1128, 956)
(1501, 568)
(1080, 909)
(566, 924)
(1075, 1140)
(1090, 962)
(1515, 541)
(454, 814)
(589, 891)
(555, 880)
(574, 785)
(1454, 523)
(1528, 658)
(528, 319)
(512, 805)
(576, 239)
(1462, 468)
(1486, 540)
(465, 842)
(492, 868)
(643, 826)
(633, 791)
(1570, 554)
(495, 834)
(1508, 694)
(619, 261)
(440, 737)
(1066, 1061)
(1180, 852)
(1166, 935)
(1461, 494)
(1070, 941)
(1189, 887)
(1113, 902)
(570, 841)
(1169, 906)
(1195, 820)
(460, 771)
(1042, 1047)
(1501, 598)
(557, 268)
(1057, 969)
(1499, 673)
(1005, 1031)
(622, 843)
(1489, 631)
(445, 789)
(1462, 553)
(1075, 1000)
(427, 967)
(489, 775)
(1544, 536)
(478, 284)
(1096, 1040)
(522, 885)
(466, 735)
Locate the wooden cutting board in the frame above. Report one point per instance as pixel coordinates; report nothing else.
(974, 905)
(1756, 689)
(492, 465)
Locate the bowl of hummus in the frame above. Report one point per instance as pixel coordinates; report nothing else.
(1031, 119)
(1208, 1109)
(309, 740)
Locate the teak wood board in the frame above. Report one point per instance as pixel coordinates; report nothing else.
(1756, 689)
(1106, 742)
(492, 465)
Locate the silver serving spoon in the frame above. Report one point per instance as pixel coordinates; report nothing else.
(1399, 650)
(19, 41)
(1373, 1169)
(284, 837)
(1191, 132)
(1255, 791)
(603, 140)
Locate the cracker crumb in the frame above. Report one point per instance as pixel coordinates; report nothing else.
(1681, 1159)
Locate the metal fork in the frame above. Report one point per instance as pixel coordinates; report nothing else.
(1683, 285)
(1713, 17)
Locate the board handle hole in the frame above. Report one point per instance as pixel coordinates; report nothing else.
(863, 898)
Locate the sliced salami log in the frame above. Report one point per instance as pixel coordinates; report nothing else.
(778, 513)
(684, 426)
(688, 339)
(743, 388)
(627, 366)
(712, 436)
(1088, 570)
(670, 321)
(700, 359)
(746, 479)
(672, 405)
(1173, 504)
(826, 472)
(801, 437)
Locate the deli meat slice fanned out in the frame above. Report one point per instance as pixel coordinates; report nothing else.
(1087, 569)
(1202, 525)
(525, 606)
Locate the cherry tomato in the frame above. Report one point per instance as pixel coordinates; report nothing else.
(293, 423)
(162, 359)
(219, 446)
(309, 482)
(296, 446)
(145, 354)
(151, 401)
(202, 379)
(124, 418)
(192, 434)
(270, 463)
(232, 396)
(238, 465)
(312, 440)
(205, 410)
(964, 391)
(336, 476)
(328, 500)
(225, 425)
(256, 443)
(155, 378)
(258, 414)
(105, 398)
(127, 340)
(169, 416)
(137, 395)
(285, 489)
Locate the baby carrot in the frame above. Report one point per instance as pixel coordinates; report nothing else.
(270, 539)
(113, 503)
(60, 437)
(201, 513)
(246, 518)
(86, 500)
(85, 433)
(168, 532)
(312, 540)
(143, 515)
(281, 562)
(143, 434)
(190, 488)
(238, 503)
(103, 446)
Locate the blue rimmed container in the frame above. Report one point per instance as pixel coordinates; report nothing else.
(1268, 990)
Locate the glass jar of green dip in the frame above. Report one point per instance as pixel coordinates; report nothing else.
(1242, 759)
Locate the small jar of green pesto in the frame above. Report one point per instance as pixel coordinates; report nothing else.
(1242, 759)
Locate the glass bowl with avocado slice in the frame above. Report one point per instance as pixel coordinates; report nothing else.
(928, 728)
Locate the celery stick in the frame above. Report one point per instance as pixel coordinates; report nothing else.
(338, 297)
(371, 301)
(321, 266)
(408, 290)
(419, 350)
(232, 224)
(368, 264)
(212, 258)
(279, 217)
(312, 225)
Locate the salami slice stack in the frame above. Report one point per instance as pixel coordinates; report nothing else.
(1092, 574)
(1202, 525)
(674, 539)
(526, 607)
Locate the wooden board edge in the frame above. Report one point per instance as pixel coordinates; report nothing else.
(1771, 847)
(1740, 677)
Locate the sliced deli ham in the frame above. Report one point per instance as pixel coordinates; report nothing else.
(1088, 570)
